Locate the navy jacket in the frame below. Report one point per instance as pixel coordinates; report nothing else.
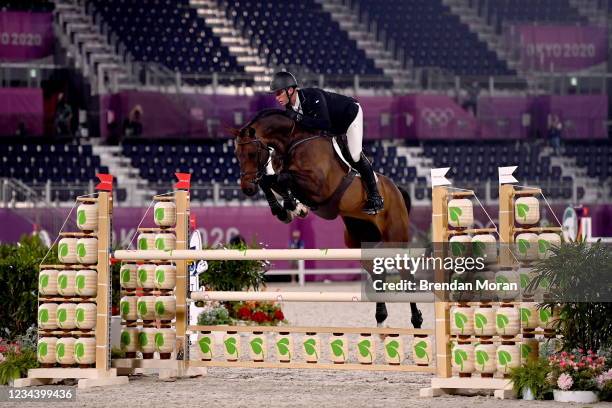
(326, 111)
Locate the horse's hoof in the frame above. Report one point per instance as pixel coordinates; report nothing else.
(417, 320)
(300, 211)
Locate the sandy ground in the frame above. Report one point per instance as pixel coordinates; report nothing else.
(224, 387)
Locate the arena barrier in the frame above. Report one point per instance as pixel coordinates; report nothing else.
(470, 350)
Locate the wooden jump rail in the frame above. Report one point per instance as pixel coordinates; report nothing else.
(315, 329)
(310, 297)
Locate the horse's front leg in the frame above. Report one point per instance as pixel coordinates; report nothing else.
(284, 184)
(266, 184)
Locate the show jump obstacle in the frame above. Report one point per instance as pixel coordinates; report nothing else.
(74, 300)
(478, 342)
(475, 345)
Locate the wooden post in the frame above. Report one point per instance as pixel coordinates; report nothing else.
(506, 224)
(103, 299)
(182, 231)
(439, 221)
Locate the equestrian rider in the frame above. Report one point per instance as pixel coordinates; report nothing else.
(334, 113)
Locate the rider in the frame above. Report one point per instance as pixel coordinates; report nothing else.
(337, 114)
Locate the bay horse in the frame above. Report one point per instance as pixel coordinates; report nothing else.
(312, 171)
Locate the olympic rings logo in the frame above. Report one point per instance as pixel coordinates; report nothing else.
(437, 116)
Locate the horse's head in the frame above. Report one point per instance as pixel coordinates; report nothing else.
(268, 128)
(253, 156)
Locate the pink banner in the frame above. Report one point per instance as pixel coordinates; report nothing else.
(435, 117)
(25, 36)
(21, 107)
(558, 48)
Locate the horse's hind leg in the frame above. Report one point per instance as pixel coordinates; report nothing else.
(417, 316)
(352, 242)
(397, 233)
(381, 314)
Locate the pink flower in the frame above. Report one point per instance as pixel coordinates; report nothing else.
(564, 354)
(590, 352)
(565, 382)
(581, 350)
(603, 378)
(562, 364)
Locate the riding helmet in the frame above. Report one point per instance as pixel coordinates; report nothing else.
(282, 80)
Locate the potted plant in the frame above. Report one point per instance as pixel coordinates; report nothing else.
(579, 275)
(574, 376)
(604, 385)
(529, 380)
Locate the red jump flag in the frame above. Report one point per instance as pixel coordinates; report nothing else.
(184, 181)
(106, 182)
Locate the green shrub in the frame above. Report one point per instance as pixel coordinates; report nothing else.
(19, 268)
(234, 275)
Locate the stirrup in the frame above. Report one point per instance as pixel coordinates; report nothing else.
(373, 205)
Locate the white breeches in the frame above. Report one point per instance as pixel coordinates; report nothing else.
(354, 135)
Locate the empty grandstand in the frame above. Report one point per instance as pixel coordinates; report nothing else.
(142, 90)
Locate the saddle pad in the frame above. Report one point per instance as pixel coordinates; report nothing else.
(338, 151)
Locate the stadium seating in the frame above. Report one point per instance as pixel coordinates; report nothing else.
(299, 33)
(68, 166)
(432, 36)
(595, 157)
(478, 163)
(167, 32)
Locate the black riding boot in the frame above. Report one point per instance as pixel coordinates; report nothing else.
(374, 202)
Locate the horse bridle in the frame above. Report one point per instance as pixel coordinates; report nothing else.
(261, 170)
(261, 147)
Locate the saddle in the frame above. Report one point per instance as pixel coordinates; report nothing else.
(330, 208)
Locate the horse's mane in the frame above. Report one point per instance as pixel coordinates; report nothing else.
(264, 113)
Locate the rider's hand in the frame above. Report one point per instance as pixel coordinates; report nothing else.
(293, 115)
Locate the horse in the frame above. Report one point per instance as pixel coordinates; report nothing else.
(311, 170)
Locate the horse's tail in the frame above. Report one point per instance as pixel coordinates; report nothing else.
(406, 196)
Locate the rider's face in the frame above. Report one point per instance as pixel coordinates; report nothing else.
(281, 96)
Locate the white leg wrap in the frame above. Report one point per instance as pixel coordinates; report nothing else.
(269, 167)
(300, 211)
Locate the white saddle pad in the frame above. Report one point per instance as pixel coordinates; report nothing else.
(339, 153)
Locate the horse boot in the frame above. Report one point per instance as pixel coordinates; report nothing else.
(375, 202)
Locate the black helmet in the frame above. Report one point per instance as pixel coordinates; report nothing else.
(282, 80)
